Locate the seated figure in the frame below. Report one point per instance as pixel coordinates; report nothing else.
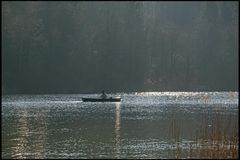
(103, 96)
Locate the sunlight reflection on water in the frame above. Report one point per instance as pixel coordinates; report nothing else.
(62, 126)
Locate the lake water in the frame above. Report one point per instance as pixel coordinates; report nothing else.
(140, 126)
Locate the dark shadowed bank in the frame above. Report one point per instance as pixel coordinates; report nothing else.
(84, 47)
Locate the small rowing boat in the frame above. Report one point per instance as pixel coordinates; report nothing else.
(116, 99)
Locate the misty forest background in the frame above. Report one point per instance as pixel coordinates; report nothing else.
(83, 47)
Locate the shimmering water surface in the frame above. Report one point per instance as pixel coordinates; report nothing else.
(62, 126)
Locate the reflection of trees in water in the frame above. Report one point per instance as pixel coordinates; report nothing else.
(117, 128)
(41, 131)
(31, 134)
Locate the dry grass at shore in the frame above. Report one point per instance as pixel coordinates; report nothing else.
(216, 142)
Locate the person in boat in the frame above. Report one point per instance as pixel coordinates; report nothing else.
(103, 96)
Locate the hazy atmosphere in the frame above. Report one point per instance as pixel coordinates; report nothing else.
(85, 47)
(120, 80)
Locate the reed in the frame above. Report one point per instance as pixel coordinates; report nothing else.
(215, 142)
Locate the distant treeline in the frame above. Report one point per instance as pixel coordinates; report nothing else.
(80, 47)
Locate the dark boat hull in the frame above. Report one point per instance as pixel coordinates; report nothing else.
(101, 99)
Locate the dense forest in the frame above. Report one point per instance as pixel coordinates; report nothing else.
(84, 47)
